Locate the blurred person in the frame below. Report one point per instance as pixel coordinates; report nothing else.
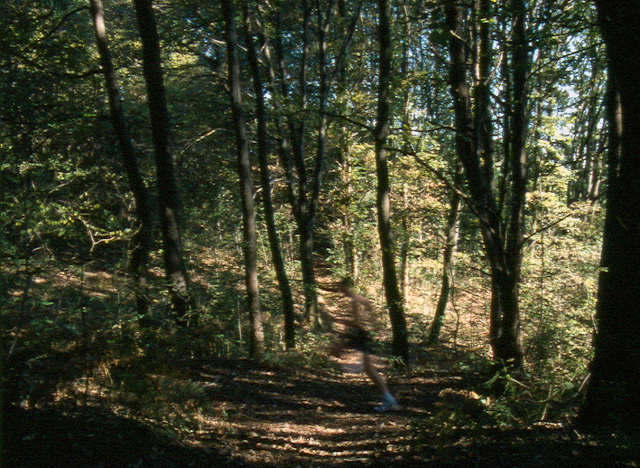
(355, 337)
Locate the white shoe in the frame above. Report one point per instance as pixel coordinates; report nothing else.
(389, 404)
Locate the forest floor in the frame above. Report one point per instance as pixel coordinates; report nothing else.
(146, 406)
(261, 415)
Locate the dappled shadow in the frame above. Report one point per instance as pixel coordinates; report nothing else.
(544, 446)
(261, 415)
(72, 437)
(307, 417)
(285, 417)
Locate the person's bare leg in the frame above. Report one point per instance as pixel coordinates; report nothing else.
(373, 373)
(376, 378)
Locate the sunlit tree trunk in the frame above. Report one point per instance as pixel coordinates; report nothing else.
(175, 268)
(141, 239)
(614, 385)
(405, 246)
(400, 344)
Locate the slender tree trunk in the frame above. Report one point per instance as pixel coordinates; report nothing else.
(483, 120)
(451, 242)
(614, 385)
(586, 147)
(304, 219)
(400, 344)
(265, 182)
(404, 246)
(406, 137)
(249, 243)
(293, 160)
(141, 239)
(318, 171)
(303, 183)
(175, 269)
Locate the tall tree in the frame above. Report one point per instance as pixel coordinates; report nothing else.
(502, 239)
(249, 243)
(507, 330)
(175, 269)
(614, 385)
(265, 184)
(292, 145)
(298, 174)
(141, 239)
(400, 343)
(304, 175)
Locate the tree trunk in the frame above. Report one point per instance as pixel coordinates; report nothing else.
(318, 171)
(406, 143)
(141, 239)
(508, 339)
(405, 246)
(293, 161)
(451, 242)
(400, 344)
(504, 331)
(265, 182)
(305, 227)
(586, 147)
(614, 385)
(291, 151)
(482, 92)
(175, 269)
(246, 184)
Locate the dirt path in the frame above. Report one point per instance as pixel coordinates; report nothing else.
(281, 417)
(267, 416)
(315, 418)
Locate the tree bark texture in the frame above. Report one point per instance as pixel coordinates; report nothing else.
(504, 332)
(509, 339)
(175, 268)
(265, 183)
(400, 345)
(141, 239)
(614, 385)
(249, 243)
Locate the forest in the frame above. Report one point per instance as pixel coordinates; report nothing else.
(186, 188)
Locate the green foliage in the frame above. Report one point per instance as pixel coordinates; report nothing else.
(174, 404)
(558, 296)
(311, 353)
(66, 214)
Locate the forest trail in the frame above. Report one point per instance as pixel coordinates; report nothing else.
(263, 415)
(304, 417)
(297, 410)
(281, 417)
